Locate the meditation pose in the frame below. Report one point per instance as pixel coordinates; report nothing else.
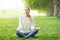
(26, 26)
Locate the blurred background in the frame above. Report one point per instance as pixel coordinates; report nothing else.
(46, 17)
(14, 8)
(11, 8)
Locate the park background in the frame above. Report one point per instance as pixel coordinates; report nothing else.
(46, 16)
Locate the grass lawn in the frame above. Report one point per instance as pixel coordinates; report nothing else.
(50, 28)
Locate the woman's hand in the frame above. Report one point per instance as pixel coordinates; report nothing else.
(38, 28)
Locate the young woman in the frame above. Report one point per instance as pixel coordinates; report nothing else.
(26, 26)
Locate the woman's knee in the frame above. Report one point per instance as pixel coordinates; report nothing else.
(17, 32)
(36, 30)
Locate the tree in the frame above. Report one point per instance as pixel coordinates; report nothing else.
(38, 4)
(50, 9)
(55, 7)
(58, 14)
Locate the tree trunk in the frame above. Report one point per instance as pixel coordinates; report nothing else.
(51, 9)
(55, 7)
(58, 12)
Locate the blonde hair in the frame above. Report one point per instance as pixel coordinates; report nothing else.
(29, 15)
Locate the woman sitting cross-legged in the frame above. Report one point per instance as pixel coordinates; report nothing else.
(26, 26)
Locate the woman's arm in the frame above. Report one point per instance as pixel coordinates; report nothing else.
(32, 23)
(20, 24)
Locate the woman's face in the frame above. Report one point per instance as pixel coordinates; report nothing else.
(27, 11)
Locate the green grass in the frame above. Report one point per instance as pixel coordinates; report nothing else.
(50, 28)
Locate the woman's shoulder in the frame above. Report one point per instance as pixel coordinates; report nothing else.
(22, 16)
(32, 17)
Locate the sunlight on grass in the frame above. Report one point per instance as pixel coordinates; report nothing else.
(14, 8)
(11, 8)
(36, 13)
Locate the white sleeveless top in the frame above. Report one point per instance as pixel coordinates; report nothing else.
(25, 25)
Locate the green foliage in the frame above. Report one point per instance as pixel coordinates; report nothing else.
(38, 4)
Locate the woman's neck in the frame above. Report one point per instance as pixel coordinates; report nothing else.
(27, 15)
